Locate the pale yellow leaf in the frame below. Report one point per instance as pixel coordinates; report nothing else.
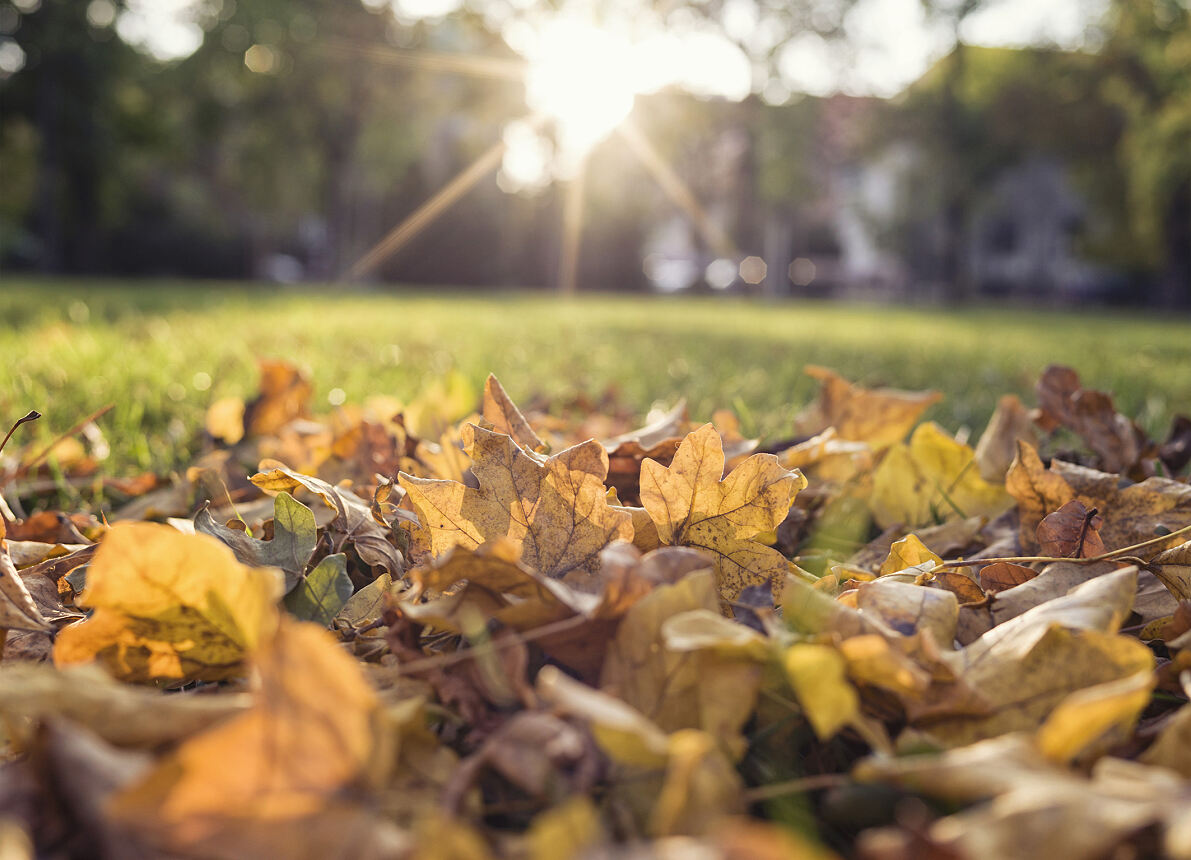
(170, 606)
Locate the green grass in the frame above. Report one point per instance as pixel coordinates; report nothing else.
(71, 347)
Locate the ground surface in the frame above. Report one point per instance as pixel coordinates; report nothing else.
(161, 352)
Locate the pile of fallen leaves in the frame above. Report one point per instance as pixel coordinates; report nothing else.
(395, 633)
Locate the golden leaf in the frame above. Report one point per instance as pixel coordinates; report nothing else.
(266, 782)
(505, 417)
(691, 506)
(932, 479)
(673, 663)
(170, 606)
(908, 552)
(1086, 715)
(879, 416)
(556, 510)
(819, 676)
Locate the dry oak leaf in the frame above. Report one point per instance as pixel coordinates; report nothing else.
(933, 478)
(691, 506)
(1132, 512)
(504, 416)
(998, 444)
(170, 606)
(878, 416)
(1173, 568)
(1089, 413)
(268, 782)
(557, 510)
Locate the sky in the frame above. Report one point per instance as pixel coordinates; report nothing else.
(891, 42)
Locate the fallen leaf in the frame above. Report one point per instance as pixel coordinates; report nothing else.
(700, 788)
(120, 714)
(556, 510)
(565, 831)
(626, 735)
(1091, 414)
(932, 479)
(908, 552)
(506, 418)
(1004, 575)
(692, 506)
(17, 609)
(997, 447)
(353, 521)
(1086, 715)
(169, 606)
(1173, 568)
(268, 782)
(879, 416)
(294, 538)
(910, 608)
(819, 676)
(1132, 512)
(1071, 532)
(694, 675)
(285, 392)
(322, 593)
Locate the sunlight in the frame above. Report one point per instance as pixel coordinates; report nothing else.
(584, 79)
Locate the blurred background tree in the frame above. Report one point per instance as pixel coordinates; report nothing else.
(298, 132)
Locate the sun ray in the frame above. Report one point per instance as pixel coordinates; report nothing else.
(425, 214)
(496, 68)
(572, 231)
(678, 192)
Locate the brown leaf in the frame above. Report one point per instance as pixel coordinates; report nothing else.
(1091, 414)
(17, 609)
(122, 715)
(1175, 452)
(506, 418)
(1003, 575)
(556, 510)
(1071, 532)
(879, 416)
(284, 395)
(998, 444)
(1173, 568)
(692, 506)
(1132, 512)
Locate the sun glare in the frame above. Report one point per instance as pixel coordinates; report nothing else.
(585, 79)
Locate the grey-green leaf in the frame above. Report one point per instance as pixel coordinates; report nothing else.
(295, 536)
(322, 593)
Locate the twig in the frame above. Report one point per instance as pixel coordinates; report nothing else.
(1112, 555)
(45, 452)
(795, 786)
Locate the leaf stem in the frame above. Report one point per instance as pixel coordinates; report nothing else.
(795, 786)
(1112, 555)
(32, 416)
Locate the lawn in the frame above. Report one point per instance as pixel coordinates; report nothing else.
(161, 352)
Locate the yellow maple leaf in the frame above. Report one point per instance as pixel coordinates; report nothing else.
(933, 478)
(266, 783)
(170, 606)
(691, 506)
(556, 510)
(878, 416)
